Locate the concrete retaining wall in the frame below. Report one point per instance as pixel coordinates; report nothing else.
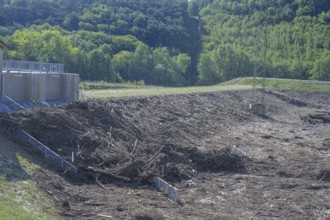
(258, 109)
(71, 86)
(1, 63)
(54, 87)
(15, 86)
(48, 153)
(39, 87)
(1, 60)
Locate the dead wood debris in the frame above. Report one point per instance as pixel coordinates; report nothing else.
(119, 141)
(317, 117)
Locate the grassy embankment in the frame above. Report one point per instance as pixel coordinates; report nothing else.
(20, 198)
(106, 90)
(325, 133)
(291, 84)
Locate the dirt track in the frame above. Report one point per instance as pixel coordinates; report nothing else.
(226, 162)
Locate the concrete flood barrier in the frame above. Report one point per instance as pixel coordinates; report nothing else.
(62, 87)
(47, 153)
(54, 87)
(14, 86)
(39, 87)
(258, 109)
(167, 188)
(71, 82)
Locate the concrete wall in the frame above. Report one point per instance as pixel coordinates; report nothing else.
(1, 60)
(1, 63)
(39, 87)
(71, 87)
(258, 109)
(36, 87)
(14, 86)
(54, 87)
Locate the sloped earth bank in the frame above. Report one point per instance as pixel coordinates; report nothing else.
(226, 162)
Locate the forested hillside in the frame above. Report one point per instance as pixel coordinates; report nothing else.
(171, 42)
(112, 40)
(278, 38)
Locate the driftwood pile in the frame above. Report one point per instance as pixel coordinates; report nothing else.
(317, 117)
(109, 142)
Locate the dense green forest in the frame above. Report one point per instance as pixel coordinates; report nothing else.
(172, 42)
(282, 38)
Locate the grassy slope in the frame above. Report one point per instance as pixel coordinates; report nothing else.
(149, 91)
(19, 195)
(325, 132)
(292, 84)
(240, 83)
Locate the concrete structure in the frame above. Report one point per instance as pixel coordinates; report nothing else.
(2, 49)
(71, 88)
(40, 87)
(36, 87)
(26, 84)
(62, 87)
(14, 86)
(258, 109)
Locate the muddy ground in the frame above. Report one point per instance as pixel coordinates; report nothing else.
(226, 162)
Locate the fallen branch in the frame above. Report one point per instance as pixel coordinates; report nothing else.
(106, 174)
(153, 157)
(99, 183)
(134, 147)
(75, 130)
(105, 216)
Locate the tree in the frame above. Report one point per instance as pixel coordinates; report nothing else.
(168, 71)
(181, 63)
(207, 70)
(141, 64)
(321, 69)
(120, 65)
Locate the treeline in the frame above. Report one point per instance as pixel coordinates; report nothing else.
(102, 39)
(172, 42)
(155, 22)
(282, 38)
(118, 59)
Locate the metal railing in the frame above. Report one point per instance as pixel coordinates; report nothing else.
(18, 66)
(15, 105)
(48, 153)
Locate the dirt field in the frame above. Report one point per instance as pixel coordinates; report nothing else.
(226, 162)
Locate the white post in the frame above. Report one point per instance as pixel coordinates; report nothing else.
(1, 75)
(1, 58)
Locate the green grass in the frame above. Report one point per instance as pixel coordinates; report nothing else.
(150, 91)
(272, 83)
(110, 90)
(20, 198)
(88, 85)
(325, 133)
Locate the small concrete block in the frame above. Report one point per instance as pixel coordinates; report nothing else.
(258, 109)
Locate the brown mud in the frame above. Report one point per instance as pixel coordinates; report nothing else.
(226, 162)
